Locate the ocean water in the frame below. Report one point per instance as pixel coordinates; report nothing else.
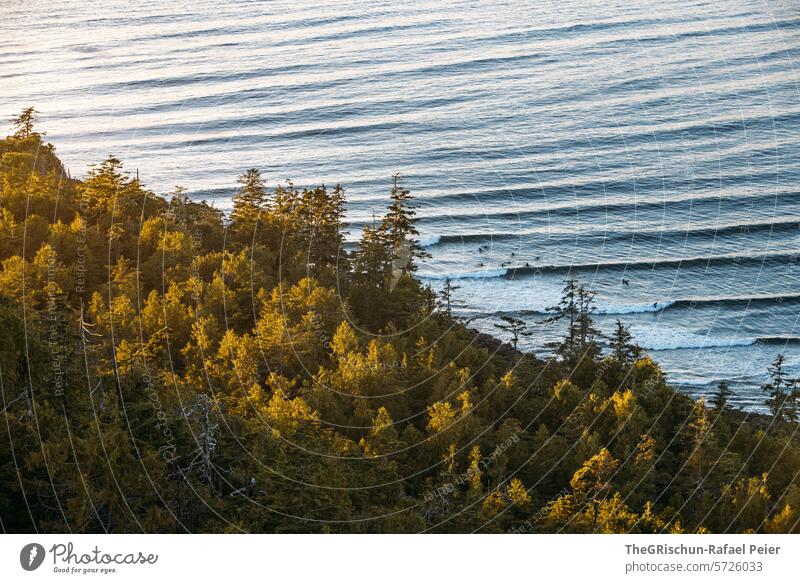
(652, 147)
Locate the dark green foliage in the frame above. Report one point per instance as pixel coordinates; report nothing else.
(514, 327)
(623, 348)
(782, 392)
(447, 297)
(721, 396)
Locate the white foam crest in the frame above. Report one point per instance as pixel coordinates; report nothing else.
(668, 338)
(485, 274)
(430, 241)
(621, 309)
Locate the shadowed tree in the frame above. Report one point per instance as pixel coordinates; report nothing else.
(321, 227)
(446, 299)
(782, 392)
(586, 332)
(576, 307)
(370, 260)
(566, 309)
(623, 348)
(24, 122)
(515, 327)
(719, 400)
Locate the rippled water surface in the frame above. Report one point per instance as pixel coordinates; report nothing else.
(638, 141)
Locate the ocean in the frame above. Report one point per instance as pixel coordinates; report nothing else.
(652, 148)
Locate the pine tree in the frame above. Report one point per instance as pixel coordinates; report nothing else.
(719, 400)
(587, 333)
(591, 483)
(576, 307)
(24, 122)
(567, 309)
(515, 327)
(704, 452)
(110, 193)
(446, 299)
(250, 201)
(371, 260)
(178, 203)
(782, 392)
(623, 348)
(189, 353)
(321, 227)
(397, 229)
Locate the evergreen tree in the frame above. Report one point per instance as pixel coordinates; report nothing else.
(721, 396)
(111, 197)
(703, 450)
(782, 392)
(321, 227)
(586, 332)
(249, 201)
(371, 260)
(567, 309)
(591, 483)
(623, 348)
(576, 307)
(24, 122)
(446, 299)
(148, 368)
(398, 231)
(515, 327)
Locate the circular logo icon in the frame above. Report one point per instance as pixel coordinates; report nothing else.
(31, 556)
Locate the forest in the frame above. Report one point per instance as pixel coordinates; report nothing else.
(169, 367)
